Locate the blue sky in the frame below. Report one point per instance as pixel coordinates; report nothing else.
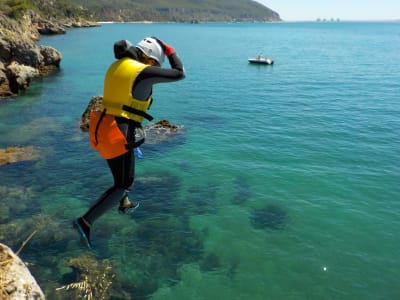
(300, 10)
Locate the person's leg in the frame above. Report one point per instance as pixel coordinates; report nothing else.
(125, 179)
(122, 170)
(106, 201)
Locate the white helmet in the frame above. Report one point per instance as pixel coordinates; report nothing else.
(151, 48)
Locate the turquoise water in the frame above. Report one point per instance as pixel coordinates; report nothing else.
(284, 185)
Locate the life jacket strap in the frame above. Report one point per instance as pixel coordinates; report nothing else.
(98, 125)
(137, 112)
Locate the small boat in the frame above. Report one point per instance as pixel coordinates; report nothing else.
(261, 60)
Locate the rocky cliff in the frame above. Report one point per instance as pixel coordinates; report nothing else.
(21, 60)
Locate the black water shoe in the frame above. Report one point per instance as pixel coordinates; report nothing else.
(84, 230)
(130, 208)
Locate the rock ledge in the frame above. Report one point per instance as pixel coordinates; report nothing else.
(16, 281)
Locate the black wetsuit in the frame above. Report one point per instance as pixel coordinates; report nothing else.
(123, 166)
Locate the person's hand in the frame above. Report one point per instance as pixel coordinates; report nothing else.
(168, 50)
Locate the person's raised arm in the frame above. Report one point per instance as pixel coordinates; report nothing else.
(154, 74)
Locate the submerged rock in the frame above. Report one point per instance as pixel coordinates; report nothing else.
(94, 278)
(9, 196)
(16, 154)
(16, 281)
(269, 217)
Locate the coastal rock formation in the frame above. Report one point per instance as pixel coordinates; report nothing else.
(48, 27)
(93, 105)
(156, 133)
(21, 59)
(16, 282)
(161, 131)
(50, 61)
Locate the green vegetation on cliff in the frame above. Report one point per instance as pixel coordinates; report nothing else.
(47, 8)
(144, 10)
(178, 10)
(14, 8)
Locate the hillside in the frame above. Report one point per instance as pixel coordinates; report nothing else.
(48, 9)
(144, 10)
(178, 10)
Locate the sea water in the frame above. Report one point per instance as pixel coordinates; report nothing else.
(284, 183)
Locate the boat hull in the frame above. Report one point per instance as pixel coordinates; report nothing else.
(263, 61)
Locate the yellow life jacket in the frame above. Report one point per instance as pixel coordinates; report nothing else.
(117, 97)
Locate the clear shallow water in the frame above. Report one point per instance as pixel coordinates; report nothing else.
(283, 170)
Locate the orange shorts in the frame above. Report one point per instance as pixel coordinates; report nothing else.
(106, 137)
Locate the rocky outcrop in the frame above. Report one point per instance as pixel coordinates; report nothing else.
(93, 105)
(21, 60)
(16, 282)
(156, 133)
(49, 27)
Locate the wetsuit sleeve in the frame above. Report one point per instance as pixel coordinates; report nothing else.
(151, 75)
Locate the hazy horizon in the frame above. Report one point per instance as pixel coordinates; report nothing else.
(356, 10)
